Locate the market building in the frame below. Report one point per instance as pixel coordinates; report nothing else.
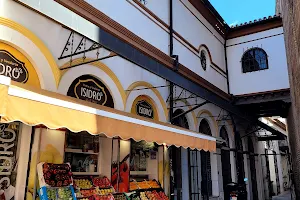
(141, 96)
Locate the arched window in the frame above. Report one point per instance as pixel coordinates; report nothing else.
(254, 59)
(224, 136)
(204, 127)
(206, 182)
(203, 59)
(180, 121)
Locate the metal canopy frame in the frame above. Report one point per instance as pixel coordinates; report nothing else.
(119, 47)
(85, 46)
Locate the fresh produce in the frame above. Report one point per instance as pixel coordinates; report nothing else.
(133, 186)
(154, 195)
(104, 191)
(64, 193)
(143, 185)
(143, 196)
(104, 197)
(101, 182)
(163, 196)
(57, 175)
(87, 193)
(153, 184)
(83, 183)
(51, 193)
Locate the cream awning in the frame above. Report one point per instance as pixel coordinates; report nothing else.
(34, 106)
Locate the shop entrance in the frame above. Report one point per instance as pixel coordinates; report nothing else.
(206, 183)
(225, 159)
(252, 169)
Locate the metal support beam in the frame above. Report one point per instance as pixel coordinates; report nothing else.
(194, 108)
(251, 132)
(147, 88)
(81, 47)
(90, 61)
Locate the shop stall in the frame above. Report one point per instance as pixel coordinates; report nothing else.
(82, 150)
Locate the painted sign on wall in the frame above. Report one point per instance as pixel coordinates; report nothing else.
(143, 108)
(12, 67)
(15, 65)
(91, 89)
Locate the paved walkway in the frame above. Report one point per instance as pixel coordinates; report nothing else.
(283, 196)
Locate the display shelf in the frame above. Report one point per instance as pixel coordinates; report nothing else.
(69, 150)
(86, 173)
(139, 173)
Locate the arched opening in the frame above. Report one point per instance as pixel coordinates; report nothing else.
(252, 169)
(225, 159)
(175, 156)
(206, 183)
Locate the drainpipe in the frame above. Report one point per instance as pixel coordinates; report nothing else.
(235, 131)
(171, 54)
(226, 65)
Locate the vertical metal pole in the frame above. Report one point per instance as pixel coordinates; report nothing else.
(171, 99)
(172, 185)
(37, 162)
(226, 65)
(118, 160)
(171, 28)
(29, 160)
(197, 169)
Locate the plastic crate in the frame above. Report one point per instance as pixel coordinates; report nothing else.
(55, 193)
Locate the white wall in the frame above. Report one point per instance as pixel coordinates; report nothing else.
(134, 18)
(192, 26)
(194, 30)
(274, 78)
(131, 18)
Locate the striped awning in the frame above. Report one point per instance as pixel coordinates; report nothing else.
(34, 106)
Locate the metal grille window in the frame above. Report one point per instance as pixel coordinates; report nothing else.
(203, 60)
(206, 183)
(254, 59)
(194, 175)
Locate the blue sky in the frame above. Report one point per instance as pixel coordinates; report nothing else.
(240, 11)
